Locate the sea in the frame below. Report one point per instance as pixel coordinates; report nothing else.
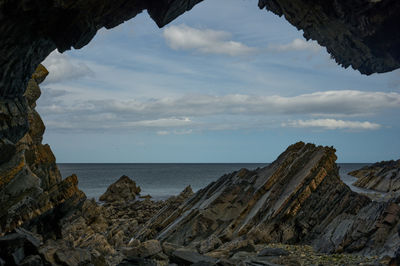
(162, 180)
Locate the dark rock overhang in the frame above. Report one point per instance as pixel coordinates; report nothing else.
(362, 34)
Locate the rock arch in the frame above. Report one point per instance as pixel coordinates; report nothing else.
(362, 34)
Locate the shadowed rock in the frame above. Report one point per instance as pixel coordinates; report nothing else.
(32, 192)
(383, 176)
(357, 33)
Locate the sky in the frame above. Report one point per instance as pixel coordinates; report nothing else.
(224, 82)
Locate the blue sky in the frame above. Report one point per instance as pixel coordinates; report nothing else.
(225, 82)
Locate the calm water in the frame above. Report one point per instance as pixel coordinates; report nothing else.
(164, 180)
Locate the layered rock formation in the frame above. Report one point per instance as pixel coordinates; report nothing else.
(299, 198)
(32, 192)
(106, 230)
(361, 34)
(262, 217)
(383, 176)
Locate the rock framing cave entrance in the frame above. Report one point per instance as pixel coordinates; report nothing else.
(360, 34)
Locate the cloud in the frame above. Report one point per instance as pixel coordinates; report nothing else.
(63, 68)
(183, 132)
(162, 132)
(181, 114)
(334, 103)
(332, 124)
(161, 122)
(175, 132)
(208, 41)
(296, 45)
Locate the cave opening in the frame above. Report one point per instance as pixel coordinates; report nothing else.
(221, 86)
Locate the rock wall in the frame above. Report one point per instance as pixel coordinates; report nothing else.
(32, 192)
(299, 198)
(383, 176)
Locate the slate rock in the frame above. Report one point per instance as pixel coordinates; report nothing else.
(187, 257)
(273, 252)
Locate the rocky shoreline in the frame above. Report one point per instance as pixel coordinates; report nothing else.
(382, 176)
(127, 232)
(295, 211)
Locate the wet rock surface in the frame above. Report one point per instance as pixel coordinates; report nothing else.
(383, 176)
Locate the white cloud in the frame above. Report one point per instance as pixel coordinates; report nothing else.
(175, 132)
(296, 45)
(162, 132)
(61, 67)
(332, 124)
(183, 132)
(204, 40)
(180, 114)
(161, 122)
(334, 103)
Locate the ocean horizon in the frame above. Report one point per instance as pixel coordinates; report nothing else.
(162, 180)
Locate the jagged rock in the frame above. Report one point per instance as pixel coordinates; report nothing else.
(32, 192)
(16, 247)
(105, 229)
(383, 176)
(299, 198)
(163, 217)
(60, 252)
(124, 189)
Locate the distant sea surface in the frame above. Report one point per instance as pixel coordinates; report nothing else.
(166, 179)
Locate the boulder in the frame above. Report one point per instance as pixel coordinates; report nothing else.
(124, 189)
